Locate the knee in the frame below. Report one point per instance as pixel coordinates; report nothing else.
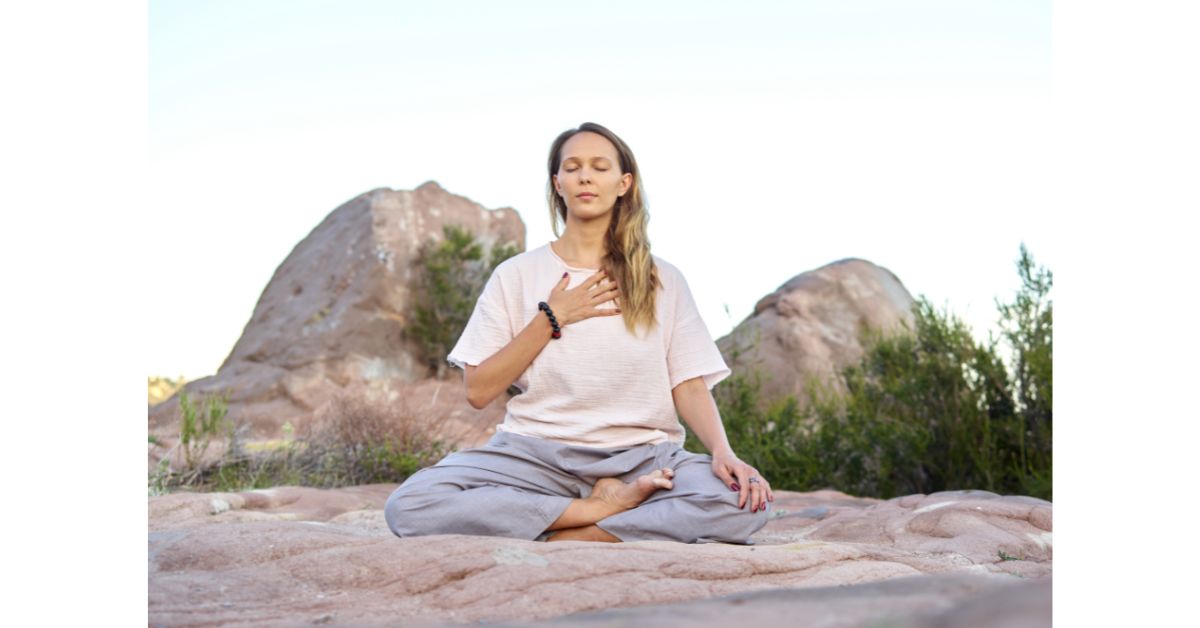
(749, 522)
(403, 513)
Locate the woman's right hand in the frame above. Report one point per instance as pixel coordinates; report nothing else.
(578, 303)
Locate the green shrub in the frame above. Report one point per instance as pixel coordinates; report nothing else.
(200, 424)
(925, 410)
(451, 277)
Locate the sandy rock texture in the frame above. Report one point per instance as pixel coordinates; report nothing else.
(334, 313)
(812, 326)
(292, 556)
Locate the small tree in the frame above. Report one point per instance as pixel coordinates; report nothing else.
(451, 277)
(1027, 325)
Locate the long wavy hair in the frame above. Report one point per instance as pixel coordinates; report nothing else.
(627, 258)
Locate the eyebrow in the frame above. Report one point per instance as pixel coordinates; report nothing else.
(566, 159)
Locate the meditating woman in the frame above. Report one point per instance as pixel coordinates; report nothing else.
(605, 342)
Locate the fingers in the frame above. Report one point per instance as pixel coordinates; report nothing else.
(596, 278)
(602, 287)
(562, 283)
(763, 494)
(753, 494)
(607, 292)
(743, 486)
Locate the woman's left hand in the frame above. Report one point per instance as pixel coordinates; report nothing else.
(737, 475)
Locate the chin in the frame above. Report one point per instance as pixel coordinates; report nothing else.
(591, 214)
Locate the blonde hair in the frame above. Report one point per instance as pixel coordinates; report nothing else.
(627, 246)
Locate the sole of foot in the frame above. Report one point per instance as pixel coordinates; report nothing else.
(628, 495)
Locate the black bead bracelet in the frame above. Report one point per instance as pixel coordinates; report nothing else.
(542, 305)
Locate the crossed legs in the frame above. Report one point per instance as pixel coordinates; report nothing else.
(609, 497)
(476, 497)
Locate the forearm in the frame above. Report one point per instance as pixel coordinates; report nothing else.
(494, 375)
(695, 405)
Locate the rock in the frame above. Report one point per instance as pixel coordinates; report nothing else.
(954, 600)
(812, 326)
(293, 555)
(334, 313)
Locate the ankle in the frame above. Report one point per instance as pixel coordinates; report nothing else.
(604, 508)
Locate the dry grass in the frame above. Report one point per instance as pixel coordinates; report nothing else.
(364, 436)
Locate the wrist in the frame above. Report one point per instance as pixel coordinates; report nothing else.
(724, 450)
(556, 328)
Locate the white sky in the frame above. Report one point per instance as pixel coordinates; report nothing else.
(772, 139)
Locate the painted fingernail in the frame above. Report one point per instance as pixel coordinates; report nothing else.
(734, 486)
(564, 274)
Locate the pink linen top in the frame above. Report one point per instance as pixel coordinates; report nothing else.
(598, 385)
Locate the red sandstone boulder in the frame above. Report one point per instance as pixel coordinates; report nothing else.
(812, 326)
(335, 312)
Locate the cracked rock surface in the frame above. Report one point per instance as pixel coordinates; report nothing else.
(290, 555)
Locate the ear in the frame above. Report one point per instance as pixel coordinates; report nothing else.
(557, 188)
(626, 181)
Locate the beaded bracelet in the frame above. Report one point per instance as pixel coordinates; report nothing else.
(542, 305)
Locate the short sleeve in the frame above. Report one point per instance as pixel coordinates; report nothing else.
(488, 330)
(692, 352)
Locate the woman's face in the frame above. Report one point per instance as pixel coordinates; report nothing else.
(589, 175)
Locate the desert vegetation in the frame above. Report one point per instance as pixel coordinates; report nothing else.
(451, 277)
(366, 437)
(926, 409)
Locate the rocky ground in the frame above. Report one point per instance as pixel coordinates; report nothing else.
(289, 556)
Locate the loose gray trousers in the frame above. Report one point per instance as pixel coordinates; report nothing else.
(516, 486)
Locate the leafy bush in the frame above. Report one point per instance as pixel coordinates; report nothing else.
(925, 410)
(451, 277)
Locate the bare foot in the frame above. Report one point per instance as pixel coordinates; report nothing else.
(622, 496)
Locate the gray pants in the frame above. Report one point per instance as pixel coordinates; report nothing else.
(516, 486)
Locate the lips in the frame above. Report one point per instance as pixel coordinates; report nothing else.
(587, 195)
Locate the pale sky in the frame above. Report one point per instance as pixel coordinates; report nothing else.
(773, 139)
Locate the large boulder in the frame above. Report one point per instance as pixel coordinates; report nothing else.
(291, 556)
(813, 326)
(334, 314)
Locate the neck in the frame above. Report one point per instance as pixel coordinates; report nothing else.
(582, 243)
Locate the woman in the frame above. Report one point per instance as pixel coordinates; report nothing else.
(607, 346)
